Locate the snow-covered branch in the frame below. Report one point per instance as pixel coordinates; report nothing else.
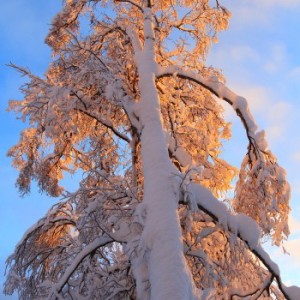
(262, 186)
(241, 226)
(88, 249)
(223, 92)
(133, 3)
(107, 123)
(256, 292)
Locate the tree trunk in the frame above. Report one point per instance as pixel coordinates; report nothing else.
(167, 270)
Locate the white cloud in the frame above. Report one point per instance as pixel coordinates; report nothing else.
(277, 60)
(279, 111)
(294, 225)
(296, 157)
(249, 12)
(277, 3)
(257, 97)
(277, 115)
(289, 262)
(270, 113)
(274, 133)
(231, 57)
(243, 53)
(257, 12)
(292, 248)
(295, 73)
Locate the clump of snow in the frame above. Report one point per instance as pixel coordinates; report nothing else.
(247, 228)
(260, 138)
(292, 291)
(183, 157)
(206, 173)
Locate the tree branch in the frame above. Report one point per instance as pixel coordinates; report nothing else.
(257, 292)
(240, 225)
(98, 242)
(132, 3)
(108, 124)
(218, 89)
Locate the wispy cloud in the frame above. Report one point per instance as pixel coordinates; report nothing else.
(292, 247)
(243, 53)
(294, 225)
(259, 10)
(277, 3)
(294, 73)
(277, 60)
(296, 156)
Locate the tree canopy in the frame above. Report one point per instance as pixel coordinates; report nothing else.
(129, 102)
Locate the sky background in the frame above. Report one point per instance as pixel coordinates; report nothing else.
(259, 56)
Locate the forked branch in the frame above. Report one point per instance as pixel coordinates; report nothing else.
(242, 226)
(98, 242)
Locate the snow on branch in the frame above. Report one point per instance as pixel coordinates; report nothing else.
(98, 242)
(221, 91)
(133, 3)
(256, 292)
(262, 191)
(107, 123)
(241, 226)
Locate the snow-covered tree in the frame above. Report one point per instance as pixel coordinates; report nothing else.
(129, 103)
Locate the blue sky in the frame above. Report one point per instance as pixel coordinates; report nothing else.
(23, 26)
(259, 56)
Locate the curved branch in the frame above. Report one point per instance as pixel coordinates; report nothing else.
(240, 225)
(132, 3)
(99, 242)
(219, 89)
(108, 124)
(257, 292)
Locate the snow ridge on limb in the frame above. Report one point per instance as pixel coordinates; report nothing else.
(218, 89)
(262, 191)
(241, 226)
